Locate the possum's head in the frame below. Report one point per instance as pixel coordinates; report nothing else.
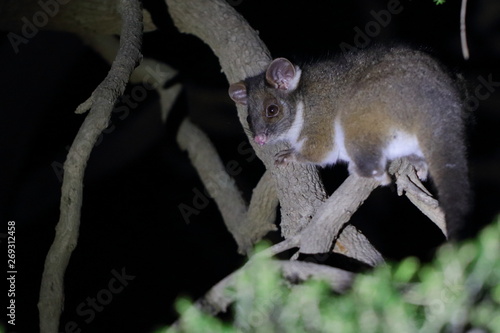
(270, 100)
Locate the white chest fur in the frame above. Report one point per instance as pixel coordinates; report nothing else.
(339, 152)
(293, 134)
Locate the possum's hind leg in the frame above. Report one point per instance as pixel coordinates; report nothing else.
(367, 132)
(368, 161)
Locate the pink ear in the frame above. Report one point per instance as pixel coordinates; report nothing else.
(238, 92)
(282, 74)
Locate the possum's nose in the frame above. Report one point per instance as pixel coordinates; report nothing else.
(261, 139)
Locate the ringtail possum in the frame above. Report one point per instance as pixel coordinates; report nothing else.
(365, 108)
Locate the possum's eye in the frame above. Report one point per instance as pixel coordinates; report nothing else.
(272, 110)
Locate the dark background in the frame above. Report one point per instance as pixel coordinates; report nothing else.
(137, 177)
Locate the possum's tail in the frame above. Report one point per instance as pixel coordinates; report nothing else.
(449, 173)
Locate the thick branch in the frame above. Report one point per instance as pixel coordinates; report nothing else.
(52, 286)
(240, 51)
(352, 243)
(319, 235)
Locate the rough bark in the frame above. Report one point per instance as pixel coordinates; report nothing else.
(319, 235)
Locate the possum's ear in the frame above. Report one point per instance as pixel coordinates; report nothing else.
(282, 74)
(238, 92)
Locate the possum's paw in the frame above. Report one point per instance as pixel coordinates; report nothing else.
(420, 166)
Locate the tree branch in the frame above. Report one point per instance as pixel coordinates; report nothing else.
(319, 235)
(408, 183)
(261, 214)
(463, 30)
(101, 102)
(352, 243)
(212, 172)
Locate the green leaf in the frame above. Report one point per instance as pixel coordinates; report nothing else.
(406, 270)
